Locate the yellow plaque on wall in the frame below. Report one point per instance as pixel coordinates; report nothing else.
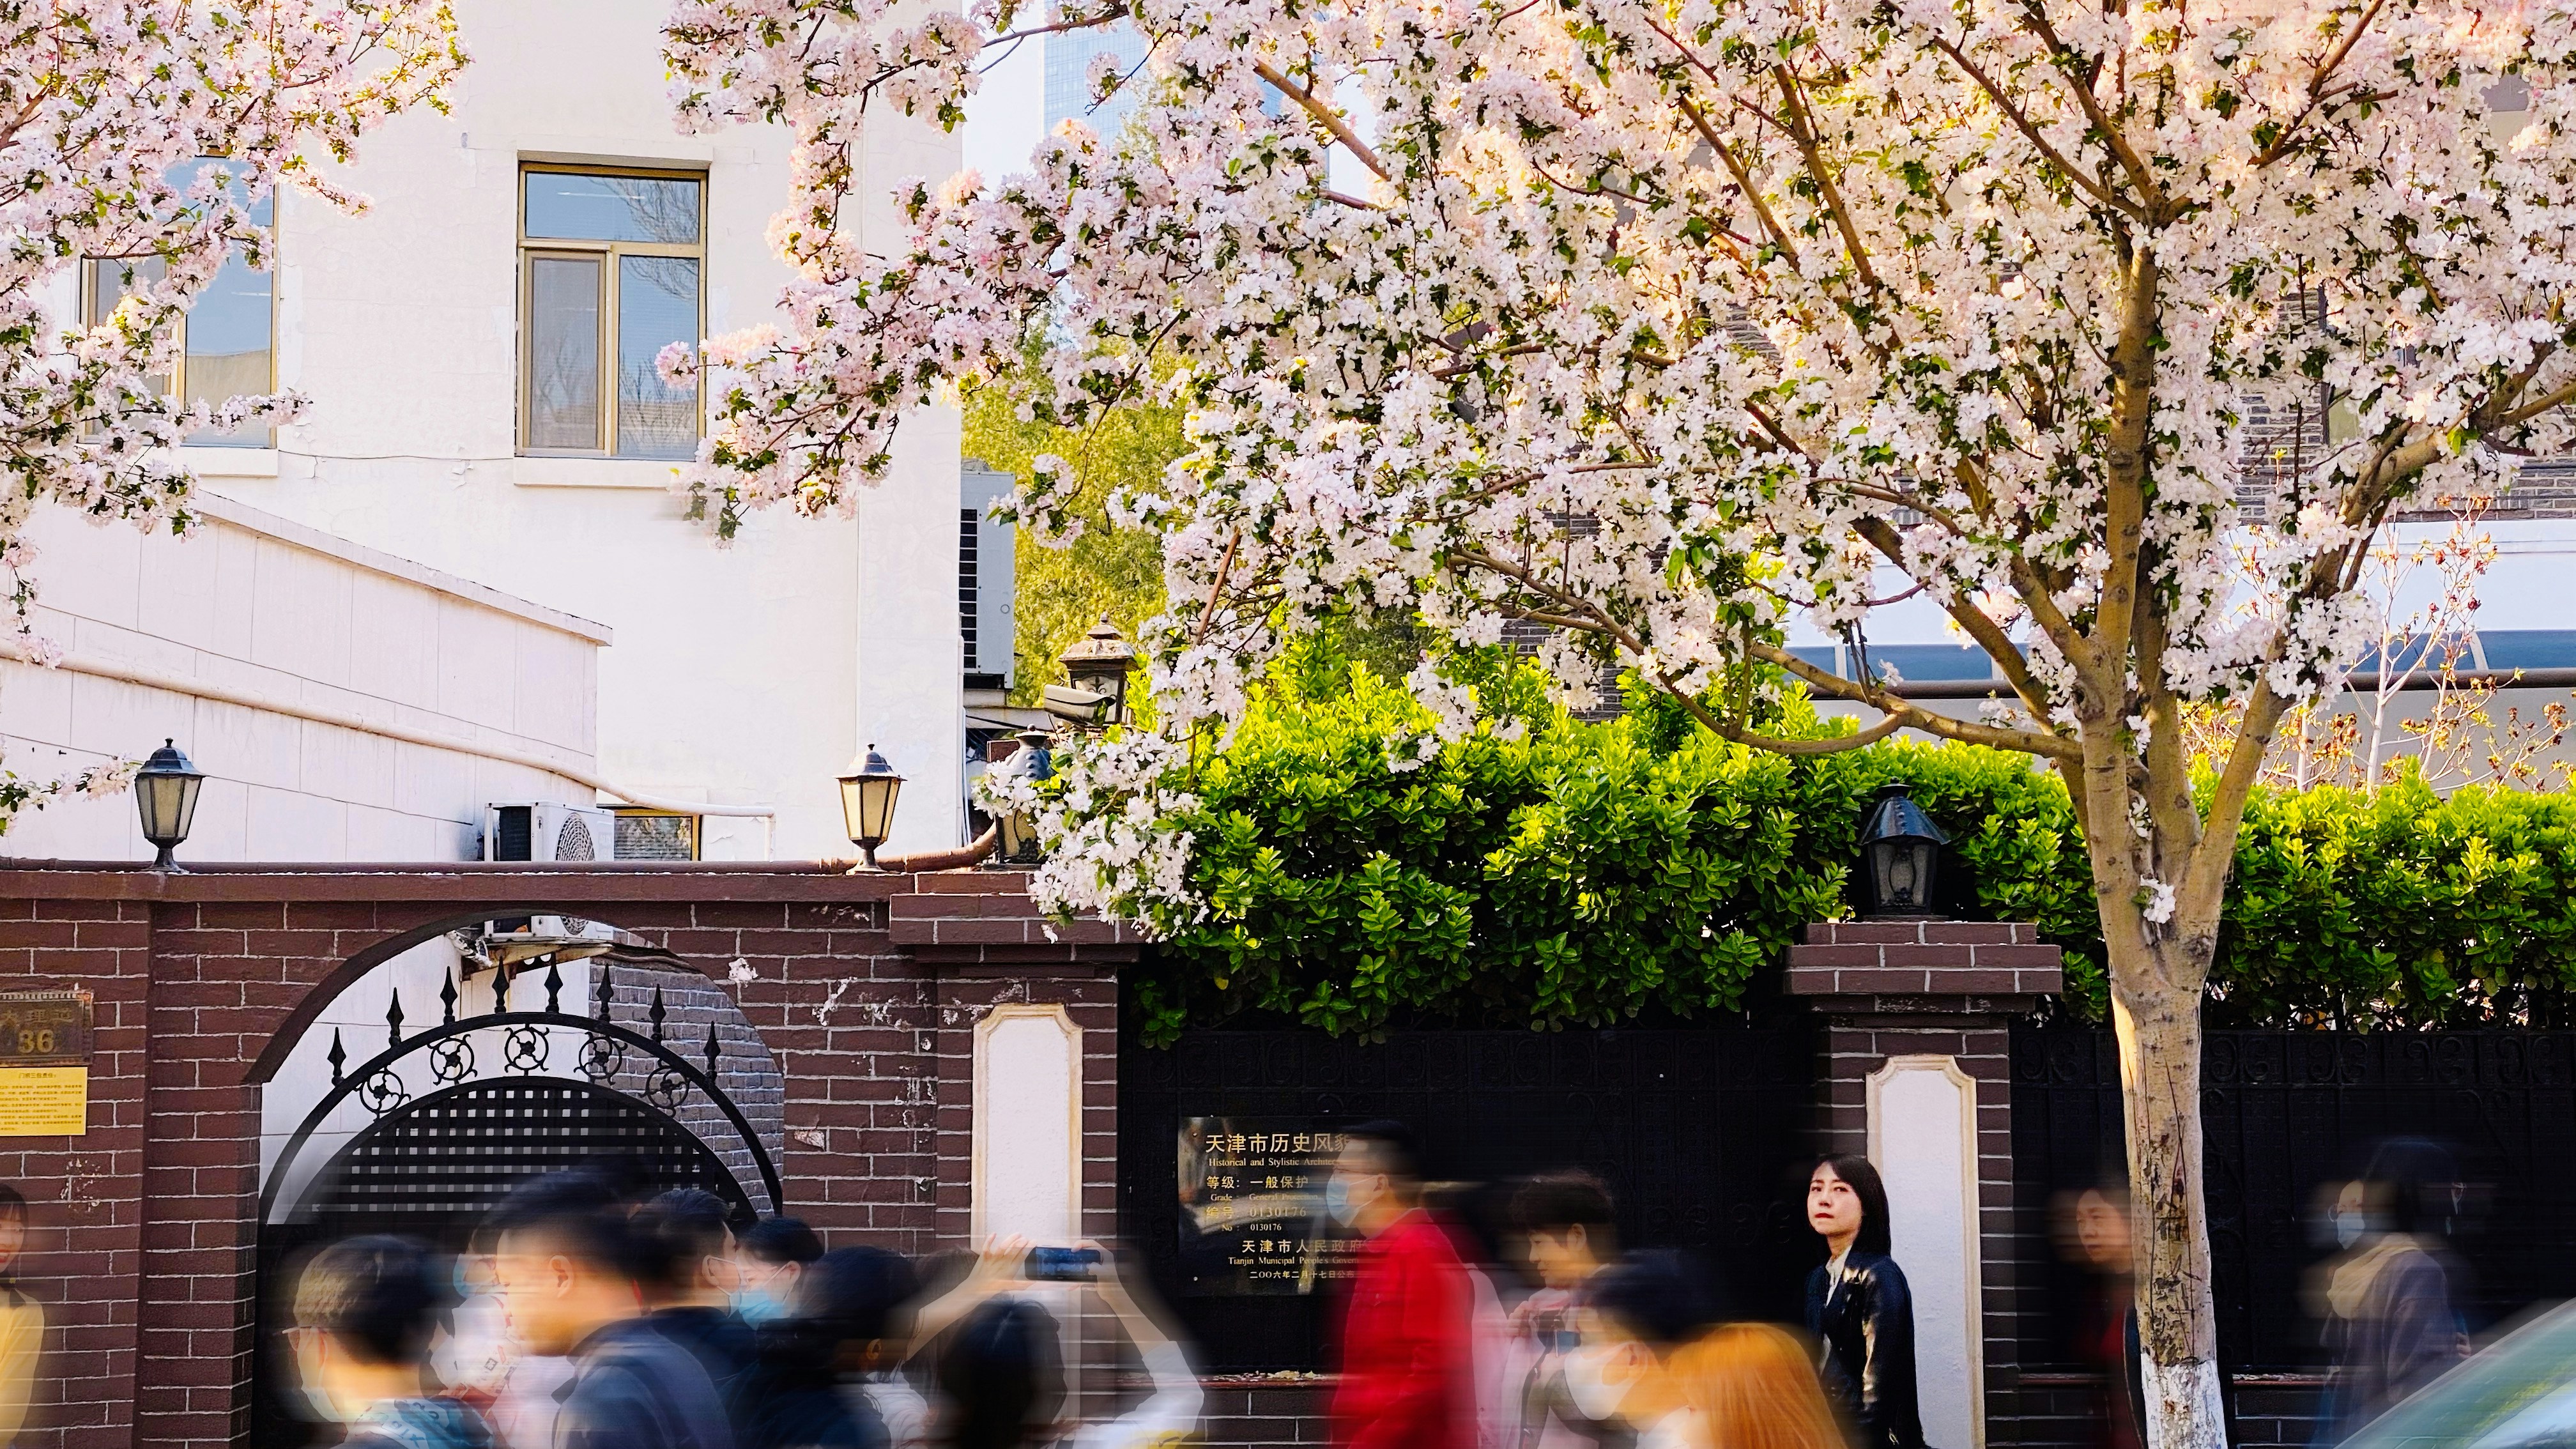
(44, 1101)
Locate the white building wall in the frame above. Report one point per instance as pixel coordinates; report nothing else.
(255, 608)
(746, 675)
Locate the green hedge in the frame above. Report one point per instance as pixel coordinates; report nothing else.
(1587, 873)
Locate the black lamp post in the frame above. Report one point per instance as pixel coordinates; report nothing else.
(1019, 829)
(1900, 856)
(165, 795)
(1094, 694)
(868, 791)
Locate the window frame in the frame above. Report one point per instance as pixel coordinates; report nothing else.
(610, 255)
(177, 376)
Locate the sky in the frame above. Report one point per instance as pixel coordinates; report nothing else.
(1007, 116)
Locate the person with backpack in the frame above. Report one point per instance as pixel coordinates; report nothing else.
(366, 1311)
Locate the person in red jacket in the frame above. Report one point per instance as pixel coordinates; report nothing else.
(1407, 1374)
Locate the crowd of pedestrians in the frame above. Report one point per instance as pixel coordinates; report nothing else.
(583, 1320)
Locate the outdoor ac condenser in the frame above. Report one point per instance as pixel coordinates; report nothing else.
(537, 831)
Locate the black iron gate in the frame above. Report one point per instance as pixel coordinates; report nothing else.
(1702, 1133)
(2288, 1114)
(434, 1166)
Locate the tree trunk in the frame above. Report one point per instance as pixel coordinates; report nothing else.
(2155, 1000)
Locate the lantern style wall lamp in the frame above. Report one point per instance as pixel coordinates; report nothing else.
(165, 795)
(868, 791)
(1094, 695)
(1901, 852)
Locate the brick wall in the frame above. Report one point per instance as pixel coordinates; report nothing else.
(145, 1239)
(1936, 988)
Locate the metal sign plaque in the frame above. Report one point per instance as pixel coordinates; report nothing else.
(44, 1028)
(1252, 1207)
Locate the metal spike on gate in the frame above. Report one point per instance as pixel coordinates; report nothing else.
(711, 1051)
(657, 1013)
(554, 987)
(339, 1057)
(393, 1022)
(607, 989)
(447, 1000)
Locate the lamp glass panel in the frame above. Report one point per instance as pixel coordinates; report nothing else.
(875, 812)
(167, 804)
(1019, 833)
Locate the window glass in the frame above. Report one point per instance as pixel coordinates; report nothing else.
(563, 390)
(657, 304)
(573, 206)
(227, 345)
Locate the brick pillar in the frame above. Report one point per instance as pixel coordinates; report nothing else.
(1917, 1021)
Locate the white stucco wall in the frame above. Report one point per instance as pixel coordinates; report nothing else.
(746, 675)
(258, 607)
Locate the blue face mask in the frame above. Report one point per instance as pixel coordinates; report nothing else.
(756, 1305)
(1337, 1200)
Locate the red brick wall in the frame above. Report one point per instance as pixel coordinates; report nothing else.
(145, 1237)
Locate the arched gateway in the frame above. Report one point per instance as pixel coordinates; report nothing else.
(533, 1065)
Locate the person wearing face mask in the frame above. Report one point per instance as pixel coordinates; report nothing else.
(1407, 1377)
(769, 1258)
(2391, 1323)
(1636, 1318)
(1860, 1308)
(365, 1313)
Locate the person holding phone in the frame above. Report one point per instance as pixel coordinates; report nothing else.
(998, 1363)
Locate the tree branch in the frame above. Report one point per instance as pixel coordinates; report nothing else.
(1324, 114)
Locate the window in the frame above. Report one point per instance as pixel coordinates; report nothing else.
(967, 519)
(226, 342)
(611, 270)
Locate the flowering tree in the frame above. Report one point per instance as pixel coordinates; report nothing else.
(1662, 323)
(103, 106)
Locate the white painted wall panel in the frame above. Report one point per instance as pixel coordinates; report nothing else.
(1922, 1132)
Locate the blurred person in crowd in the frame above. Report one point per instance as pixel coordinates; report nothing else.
(1859, 1308)
(810, 1387)
(2093, 1233)
(473, 1352)
(1754, 1386)
(685, 1249)
(22, 1320)
(1637, 1318)
(365, 1312)
(1567, 1235)
(767, 1262)
(998, 1364)
(1408, 1376)
(566, 1260)
(2391, 1326)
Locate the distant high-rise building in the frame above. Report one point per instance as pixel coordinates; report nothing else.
(1068, 71)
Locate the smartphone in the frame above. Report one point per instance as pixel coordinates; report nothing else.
(1061, 1265)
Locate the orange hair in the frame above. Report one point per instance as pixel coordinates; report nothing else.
(1754, 1387)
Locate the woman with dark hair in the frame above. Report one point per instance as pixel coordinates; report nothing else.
(1859, 1308)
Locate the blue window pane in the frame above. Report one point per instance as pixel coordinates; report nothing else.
(228, 342)
(263, 211)
(2529, 648)
(1820, 655)
(657, 304)
(611, 208)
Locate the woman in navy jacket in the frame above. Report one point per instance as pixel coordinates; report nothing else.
(1859, 1309)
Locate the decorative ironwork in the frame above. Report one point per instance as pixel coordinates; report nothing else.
(601, 1057)
(554, 987)
(378, 1085)
(1701, 1132)
(447, 999)
(2284, 1114)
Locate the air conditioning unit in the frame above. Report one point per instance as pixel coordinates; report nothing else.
(540, 832)
(548, 832)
